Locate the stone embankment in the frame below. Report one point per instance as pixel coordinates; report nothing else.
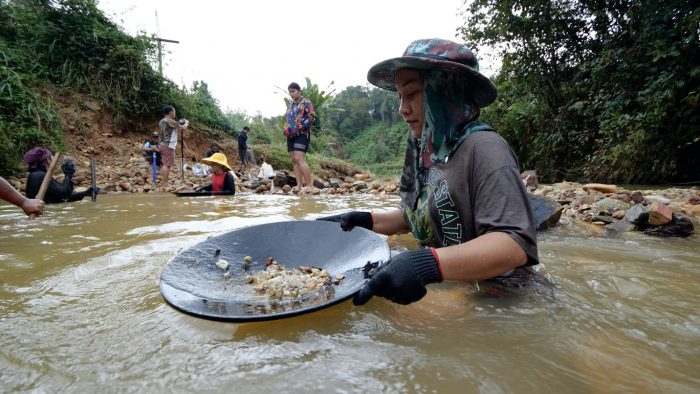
(612, 208)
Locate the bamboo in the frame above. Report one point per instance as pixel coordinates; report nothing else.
(47, 179)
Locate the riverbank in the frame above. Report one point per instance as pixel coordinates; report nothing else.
(615, 209)
(669, 211)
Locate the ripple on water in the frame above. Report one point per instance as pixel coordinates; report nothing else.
(84, 313)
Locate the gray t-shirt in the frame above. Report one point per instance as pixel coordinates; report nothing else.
(477, 191)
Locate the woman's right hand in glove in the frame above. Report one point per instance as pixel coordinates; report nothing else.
(350, 220)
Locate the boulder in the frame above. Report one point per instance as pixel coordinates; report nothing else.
(390, 188)
(124, 186)
(335, 183)
(656, 198)
(359, 185)
(261, 189)
(584, 199)
(638, 214)
(546, 212)
(659, 214)
(286, 188)
(680, 226)
(694, 200)
(532, 181)
(603, 188)
(610, 205)
(621, 226)
(280, 179)
(361, 177)
(318, 184)
(623, 197)
(602, 218)
(265, 181)
(691, 209)
(618, 214)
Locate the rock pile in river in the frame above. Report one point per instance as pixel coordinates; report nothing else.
(668, 212)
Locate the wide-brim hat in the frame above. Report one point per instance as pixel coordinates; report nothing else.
(434, 53)
(217, 158)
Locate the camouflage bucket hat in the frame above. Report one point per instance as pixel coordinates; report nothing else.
(434, 53)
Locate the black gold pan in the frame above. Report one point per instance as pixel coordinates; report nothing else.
(193, 283)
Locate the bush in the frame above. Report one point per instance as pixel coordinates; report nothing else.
(70, 45)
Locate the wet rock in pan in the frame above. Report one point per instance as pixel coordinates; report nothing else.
(223, 264)
(278, 283)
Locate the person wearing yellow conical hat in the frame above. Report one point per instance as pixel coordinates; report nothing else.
(221, 178)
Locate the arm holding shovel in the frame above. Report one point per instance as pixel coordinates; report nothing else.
(30, 206)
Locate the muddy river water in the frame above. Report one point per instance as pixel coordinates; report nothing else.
(81, 311)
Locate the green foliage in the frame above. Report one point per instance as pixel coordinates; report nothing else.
(63, 46)
(380, 148)
(359, 108)
(358, 124)
(198, 106)
(594, 90)
(27, 118)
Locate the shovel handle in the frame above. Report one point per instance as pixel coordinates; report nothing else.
(47, 179)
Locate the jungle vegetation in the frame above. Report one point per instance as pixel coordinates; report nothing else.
(589, 90)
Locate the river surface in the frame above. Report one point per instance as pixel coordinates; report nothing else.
(81, 311)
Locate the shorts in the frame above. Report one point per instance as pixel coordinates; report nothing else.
(299, 143)
(167, 155)
(242, 155)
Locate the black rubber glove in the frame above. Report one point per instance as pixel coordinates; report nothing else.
(68, 168)
(350, 220)
(88, 192)
(403, 278)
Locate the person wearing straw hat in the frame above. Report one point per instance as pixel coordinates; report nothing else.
(221, 179)
(461, 193)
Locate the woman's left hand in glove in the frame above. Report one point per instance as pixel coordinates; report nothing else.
(403, 278)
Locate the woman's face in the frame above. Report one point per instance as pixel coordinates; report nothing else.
(295, 94)
(217, 168)
(409, 85)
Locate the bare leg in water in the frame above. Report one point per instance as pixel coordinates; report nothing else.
(165, 172)
(299, 159)
(297, 171)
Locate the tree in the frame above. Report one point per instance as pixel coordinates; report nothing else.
(595, 90)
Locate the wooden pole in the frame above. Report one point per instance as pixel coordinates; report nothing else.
(160, 54)
(182, 154)
(47, 179)
(93, 175)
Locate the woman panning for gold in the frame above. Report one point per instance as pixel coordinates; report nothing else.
(461, 193)
(221, 179)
